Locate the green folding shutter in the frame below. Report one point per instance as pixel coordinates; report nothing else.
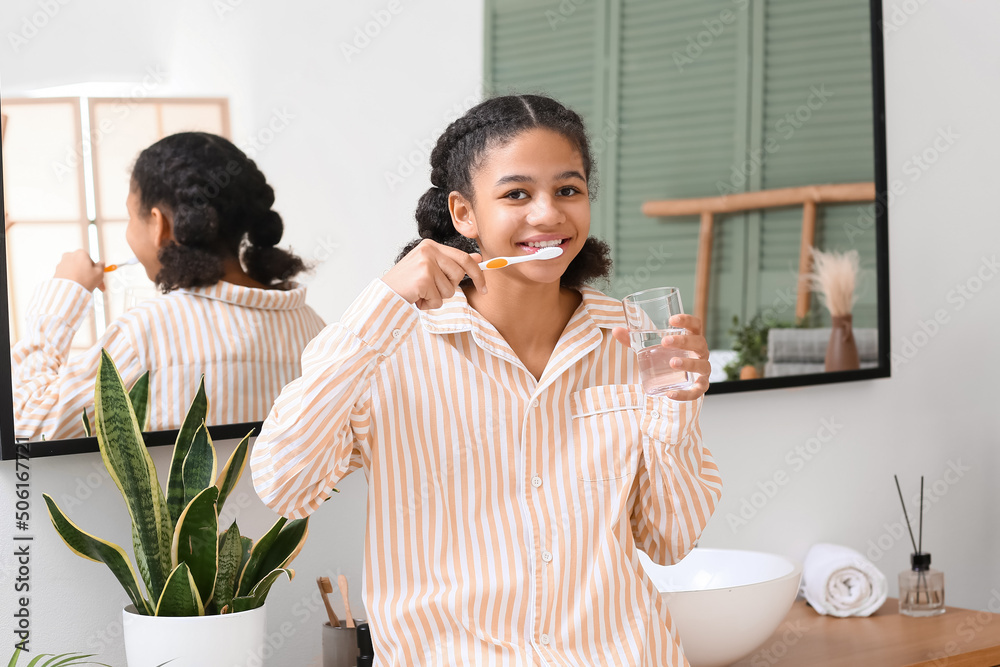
(815, 49)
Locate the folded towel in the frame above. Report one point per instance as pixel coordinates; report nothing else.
(839, 581)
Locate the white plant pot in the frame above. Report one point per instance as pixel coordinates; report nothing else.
(229, 640)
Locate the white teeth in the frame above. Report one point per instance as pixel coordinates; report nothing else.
(544, 244)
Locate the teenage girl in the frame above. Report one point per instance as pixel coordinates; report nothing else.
(515, 466)
(201, 225)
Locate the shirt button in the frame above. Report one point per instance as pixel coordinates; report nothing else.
(536, 481)
(654, 414)
(396, 333)
(544, 639)
(547, 556)
(534, 403)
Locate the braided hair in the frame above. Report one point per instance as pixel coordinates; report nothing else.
(221, 206)
(463, 147)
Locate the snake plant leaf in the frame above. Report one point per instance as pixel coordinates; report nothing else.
(196, 541)
(285, 547)
(64, 661)
(130, 466)
(258, 594)
(196, 415)
(233, 470)
(95, 549)
(139, 395)
(142, 563)
(199, 465)
(180, 595)
(246, 545)
(230, 556)
(86, 424)
(252, 573)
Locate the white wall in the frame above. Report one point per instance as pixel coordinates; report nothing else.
(354, 121)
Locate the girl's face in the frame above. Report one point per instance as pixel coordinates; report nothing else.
(144, 234)
(528, 194)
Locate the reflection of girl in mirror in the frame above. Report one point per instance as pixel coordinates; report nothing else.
(514, 464)
(201, 224)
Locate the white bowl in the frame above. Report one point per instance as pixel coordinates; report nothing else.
(725, 603)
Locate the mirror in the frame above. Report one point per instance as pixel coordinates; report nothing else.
(732, 137)
(685, 101)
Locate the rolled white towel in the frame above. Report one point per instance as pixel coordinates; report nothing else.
(839, 581)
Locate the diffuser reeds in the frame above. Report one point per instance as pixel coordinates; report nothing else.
(921, 589)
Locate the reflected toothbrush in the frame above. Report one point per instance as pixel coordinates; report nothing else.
(127, 262)
(501, 262)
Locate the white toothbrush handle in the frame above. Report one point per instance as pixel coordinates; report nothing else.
(510, 260)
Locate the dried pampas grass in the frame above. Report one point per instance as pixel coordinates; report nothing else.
(834, 276)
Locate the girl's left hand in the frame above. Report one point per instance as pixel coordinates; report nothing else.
(694, 344)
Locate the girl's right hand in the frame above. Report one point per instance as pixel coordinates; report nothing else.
(431, 272)
(78, 267)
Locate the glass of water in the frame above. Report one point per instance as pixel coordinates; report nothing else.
(648, 314)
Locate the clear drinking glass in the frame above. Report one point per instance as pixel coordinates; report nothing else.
(648, 314)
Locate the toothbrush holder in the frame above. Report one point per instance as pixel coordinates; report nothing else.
(340, 646)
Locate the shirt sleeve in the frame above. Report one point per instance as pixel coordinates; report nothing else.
(678, 484)
(51, 389)
(308, 440)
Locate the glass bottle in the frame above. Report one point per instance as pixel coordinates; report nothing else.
(921, 589)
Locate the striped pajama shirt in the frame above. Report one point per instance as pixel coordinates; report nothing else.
(247, 342)
(504, 512)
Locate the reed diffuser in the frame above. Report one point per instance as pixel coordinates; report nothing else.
(835, 276)
(921, 589)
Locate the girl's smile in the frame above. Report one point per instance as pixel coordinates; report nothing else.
(536, 243)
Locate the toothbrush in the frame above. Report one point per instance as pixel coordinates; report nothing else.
(326, 587)
(342, 584)
(500, 262)
(112, 267)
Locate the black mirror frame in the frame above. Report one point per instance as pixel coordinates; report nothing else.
(10, 450)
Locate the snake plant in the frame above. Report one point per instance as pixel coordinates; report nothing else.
(187, 566)
(61, 660)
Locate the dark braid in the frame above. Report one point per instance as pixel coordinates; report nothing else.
(221, 208)
(460, 151)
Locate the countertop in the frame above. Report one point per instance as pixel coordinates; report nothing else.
(957, 638)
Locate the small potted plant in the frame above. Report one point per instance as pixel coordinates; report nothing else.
(750, 346)
(200, 598)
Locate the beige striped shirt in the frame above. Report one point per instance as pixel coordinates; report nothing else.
(247, 342)
(504, 513)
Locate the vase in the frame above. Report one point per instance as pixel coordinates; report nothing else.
(842, 351)
(232, 640)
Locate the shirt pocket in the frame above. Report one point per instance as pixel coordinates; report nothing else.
(605, 424)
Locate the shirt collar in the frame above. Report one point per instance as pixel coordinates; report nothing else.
(456, 315)
(251, 297)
